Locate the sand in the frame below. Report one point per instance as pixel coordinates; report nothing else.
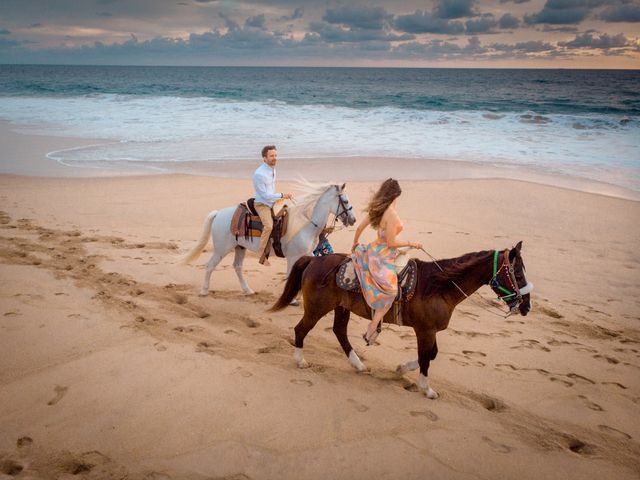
(112, 366)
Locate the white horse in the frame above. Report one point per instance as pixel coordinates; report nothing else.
(307, 218)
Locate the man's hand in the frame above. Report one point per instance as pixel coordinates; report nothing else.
(287, 195)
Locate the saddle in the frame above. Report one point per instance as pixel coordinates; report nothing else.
(246, 223)
(347, 279)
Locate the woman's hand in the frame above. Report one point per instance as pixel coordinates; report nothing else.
(417, 245)
(354, 246)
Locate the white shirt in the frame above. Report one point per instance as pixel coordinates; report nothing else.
(264, 182)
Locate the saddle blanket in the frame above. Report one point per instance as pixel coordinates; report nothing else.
(347, 279)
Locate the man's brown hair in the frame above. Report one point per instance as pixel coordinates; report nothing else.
(266, 149)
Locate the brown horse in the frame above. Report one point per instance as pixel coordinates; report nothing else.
(439, 289)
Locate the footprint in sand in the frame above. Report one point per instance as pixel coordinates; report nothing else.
(10, 467)
(489, 403)
(426, 413)
(615, 384)
(614, 431)
(566, 383)
(612, 360)
(591, 405)
(60, 392)
(530, 343)
(243, 372)
(497, 447)
(24, 442)
(206, 347)
(300, 381)
(160, 347)
(360, 407)
(470, 363)
(472, 353)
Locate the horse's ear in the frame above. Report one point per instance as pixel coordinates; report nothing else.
(515, 250)
(342, 187)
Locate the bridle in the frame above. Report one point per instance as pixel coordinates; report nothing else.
(504, 283)
(342, 204)
(503, 292)
(342, 215)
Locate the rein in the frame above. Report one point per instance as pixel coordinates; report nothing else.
(491, 283)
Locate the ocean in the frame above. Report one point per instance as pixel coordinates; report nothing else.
(576, 123)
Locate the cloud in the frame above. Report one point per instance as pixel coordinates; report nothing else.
(485, 24)
(256, 22)
(563, 12)
(334, 34)
(514, 1)
(440, 49)
(297, 14)
(509, 21)
(454, 9)
(370, 18)
(621, 13)
(533, 46)
(4, 31)
(426, 22)
(602, 41)
(104, 14)
(229, 22)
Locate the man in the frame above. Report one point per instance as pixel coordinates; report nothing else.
(264, 182)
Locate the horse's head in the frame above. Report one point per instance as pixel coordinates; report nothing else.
(344, 210)
(509, 280)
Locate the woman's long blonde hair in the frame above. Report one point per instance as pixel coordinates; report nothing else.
(387, 193)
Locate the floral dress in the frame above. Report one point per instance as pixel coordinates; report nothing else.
(374, 265)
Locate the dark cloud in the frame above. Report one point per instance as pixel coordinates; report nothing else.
(297, 13)
(104, 14)
(4, 31)
(426, 22)
(371, 18)
(621, 13)
(256, 22)
(509, 21)
(454, 8)
(564, 12)
(514, 1)
(35, 25)
(601, 41)
(485, 24)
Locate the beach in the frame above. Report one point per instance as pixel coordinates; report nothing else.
(112, 366)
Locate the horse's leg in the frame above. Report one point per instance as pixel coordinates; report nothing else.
(413, 364)
(213, 263)
(303, 327)
(291, 260)
(237, 265)
(427, 351)
(340, 323)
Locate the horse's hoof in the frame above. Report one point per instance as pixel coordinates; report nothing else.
(295, 302)
(303, 364)
(432, 394)
(249, 292)
(203, 293)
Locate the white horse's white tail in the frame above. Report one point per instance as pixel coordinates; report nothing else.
(204, 238)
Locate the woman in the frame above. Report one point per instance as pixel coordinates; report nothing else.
(374, 263)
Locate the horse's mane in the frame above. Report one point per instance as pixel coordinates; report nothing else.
(434, 281)
(300, 212)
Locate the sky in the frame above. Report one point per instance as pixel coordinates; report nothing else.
(392, 33)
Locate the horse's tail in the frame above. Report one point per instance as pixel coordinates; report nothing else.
(204, 238)
(293, 285)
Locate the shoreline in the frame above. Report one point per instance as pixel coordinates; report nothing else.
(29, 154)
